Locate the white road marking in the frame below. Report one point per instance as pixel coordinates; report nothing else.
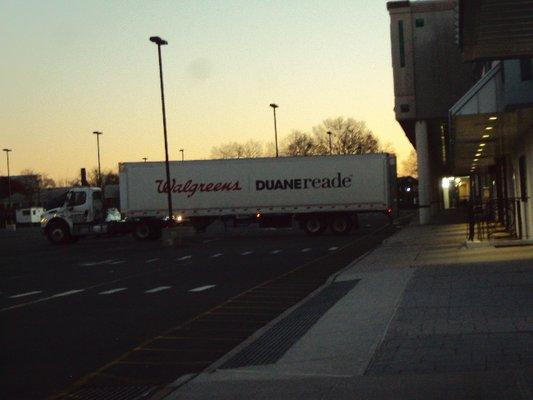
(275, 251)
(111, 291)
(151, 260)
(24, 294)
(202, 288)
(118, 262)
(333, 248)
(306, 250)
(90, 264)
(184, 258)
(246, 253)
(157, 289)
(67, 293)
(216, 255)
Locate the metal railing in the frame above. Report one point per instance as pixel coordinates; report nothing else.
(485, 219)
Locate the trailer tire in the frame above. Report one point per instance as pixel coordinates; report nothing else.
(58, 233)
(142, 231)
(314, 225)
(341, 225)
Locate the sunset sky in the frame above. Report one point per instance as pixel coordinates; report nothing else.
(69, 68)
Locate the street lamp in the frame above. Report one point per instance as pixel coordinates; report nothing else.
(8, 177)
(329, 135)
(161, 42)
(274, 106)
(182, 156)
(144, 158)
(98, 147)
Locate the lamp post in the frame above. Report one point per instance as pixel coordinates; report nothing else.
(329, 135)
(274, 106)
(182, 156)
(98, 147)
(161, 42)
(144, 158)
(8, 177)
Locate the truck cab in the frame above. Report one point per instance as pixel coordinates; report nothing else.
(78, 212)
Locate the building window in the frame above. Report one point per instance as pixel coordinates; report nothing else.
(443, 144)
(523, 180)
(419, 22)
(401, 39)
(525, 69)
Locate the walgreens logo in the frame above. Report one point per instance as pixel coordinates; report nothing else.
(191, 187)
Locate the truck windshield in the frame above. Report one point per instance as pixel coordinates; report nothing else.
(56, 201)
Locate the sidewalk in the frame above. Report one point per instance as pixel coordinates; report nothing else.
(420, 317)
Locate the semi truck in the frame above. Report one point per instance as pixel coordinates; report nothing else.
(316, 193)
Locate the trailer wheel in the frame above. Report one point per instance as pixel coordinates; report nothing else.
(58, 233)
(142, 231)
(314, 225)
(341, 225)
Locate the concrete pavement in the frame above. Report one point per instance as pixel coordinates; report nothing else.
(423, 316)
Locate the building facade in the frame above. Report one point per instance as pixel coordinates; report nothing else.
(429, 77)
(487, 127)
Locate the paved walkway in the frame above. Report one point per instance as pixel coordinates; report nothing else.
(420, 317)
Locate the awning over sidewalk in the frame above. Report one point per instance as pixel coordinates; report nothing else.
(476, 124)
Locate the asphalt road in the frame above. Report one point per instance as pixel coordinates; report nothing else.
(66, 311)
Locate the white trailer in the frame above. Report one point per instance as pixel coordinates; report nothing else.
(318, 191)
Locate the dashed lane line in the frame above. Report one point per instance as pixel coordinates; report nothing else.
(68, 293)
(118, 262)
(202, 288)
(333, 248)
(91, 264)
(216, 255)
(157, 289)
(246, 253)
(111, 291)
(151, 260)
(306, 250)
(184, 258)
(275, 251)
(16, 296)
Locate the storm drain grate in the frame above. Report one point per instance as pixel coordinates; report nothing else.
(271, 346)
(112, 393)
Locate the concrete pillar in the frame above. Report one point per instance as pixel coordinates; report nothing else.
(424, 185)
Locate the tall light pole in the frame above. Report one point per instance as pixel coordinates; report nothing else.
(8, 177)
(330, 150)
(161, 42)
(182, 156)
(274, 106)
(98, 147)
(144, 158)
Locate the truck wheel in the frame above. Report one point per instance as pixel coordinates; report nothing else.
(314, 225)
(142, 231)
(341, 225)
(58, 233)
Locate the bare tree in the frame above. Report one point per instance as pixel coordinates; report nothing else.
(250, 149)
(109, 177)
(68, 182)
(410, 166)
(43, 180)
(299, 144)
(349, 136)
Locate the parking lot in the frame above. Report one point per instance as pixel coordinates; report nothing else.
(69, 310)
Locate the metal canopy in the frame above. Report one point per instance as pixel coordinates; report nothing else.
(477, 125)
